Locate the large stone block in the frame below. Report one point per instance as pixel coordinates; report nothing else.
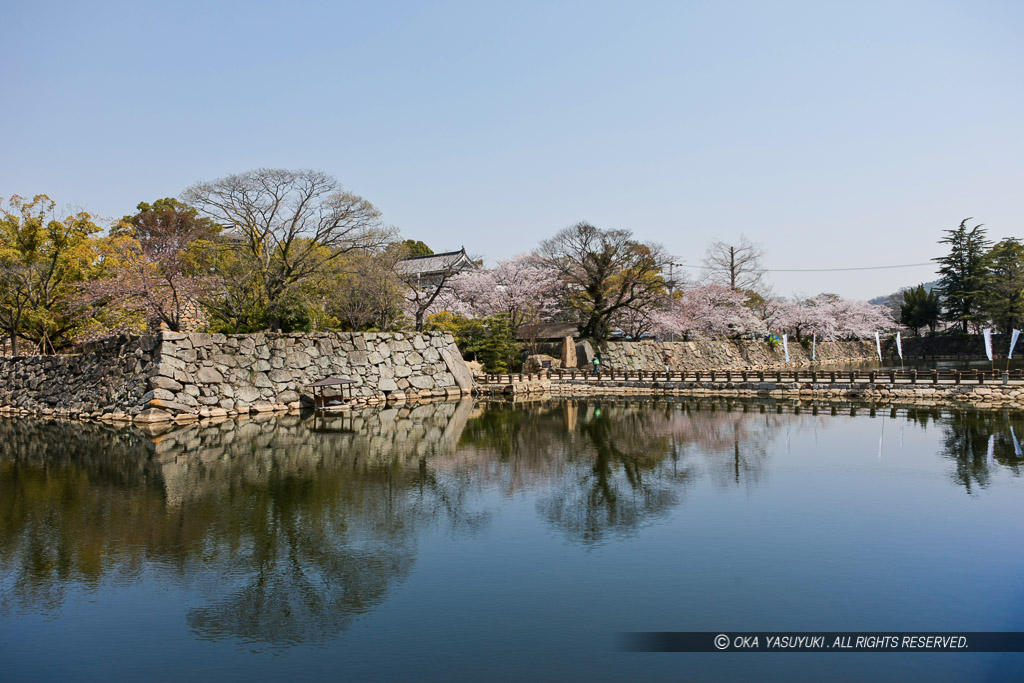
(568, 353)
(280, 376)
(209, 376)
(226, 360)
(421, 382)
(162, 394)
(185, 355)
(247, 393)
(169, 406)
(161, 382)
(151, 415)
(461, 374)
(297, 359)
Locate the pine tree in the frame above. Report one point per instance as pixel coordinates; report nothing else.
(963, 273)
(1004, 299)
(920, 308)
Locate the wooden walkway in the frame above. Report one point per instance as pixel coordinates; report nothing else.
(867, 377)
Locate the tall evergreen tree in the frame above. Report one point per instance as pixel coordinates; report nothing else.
(1004, 293)
(963, 273)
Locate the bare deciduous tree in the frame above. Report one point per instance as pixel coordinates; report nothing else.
(290, 223)
(371, 291)
(737, 266)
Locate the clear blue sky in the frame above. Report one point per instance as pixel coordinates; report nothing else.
(833, 133)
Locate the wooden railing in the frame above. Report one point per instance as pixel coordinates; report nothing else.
(777, 376)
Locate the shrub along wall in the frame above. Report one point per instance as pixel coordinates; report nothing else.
(184, 376)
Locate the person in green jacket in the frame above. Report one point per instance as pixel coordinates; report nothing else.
(597, 366)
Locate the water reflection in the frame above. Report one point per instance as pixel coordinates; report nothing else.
(293, 526)
(976, 441)
(289, 528)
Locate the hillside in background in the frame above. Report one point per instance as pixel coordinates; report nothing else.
(896, 298)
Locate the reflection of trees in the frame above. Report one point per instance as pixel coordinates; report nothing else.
(608, 465)
(620, 471)
(294, 531)
(62, 499)
(922, 415)
(731, 440)
(966, 439)
(309, 553)
(291, 526)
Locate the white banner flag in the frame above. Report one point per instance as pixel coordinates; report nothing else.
(785, 346)
(1013, 342)
(814, 346)
(987, 333)
(899, 346)
(878, 345)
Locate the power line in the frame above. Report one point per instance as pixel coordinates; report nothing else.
(816, 270)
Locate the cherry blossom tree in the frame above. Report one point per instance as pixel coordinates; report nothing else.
(637, 322)
(711, 311)
(148, 265)
(516, 287)
(831, 318)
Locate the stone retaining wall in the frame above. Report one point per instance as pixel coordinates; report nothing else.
(102, 377)
(728, 355)
(978, 396)
(178, 376)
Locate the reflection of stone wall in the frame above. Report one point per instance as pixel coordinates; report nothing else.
(201, 459)
(177, 376)
(723, 355)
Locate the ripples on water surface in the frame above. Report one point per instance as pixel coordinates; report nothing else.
(460, 541)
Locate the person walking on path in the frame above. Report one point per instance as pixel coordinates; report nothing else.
(597, 366)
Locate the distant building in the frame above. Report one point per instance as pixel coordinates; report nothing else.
(547, 332)
(434, 269)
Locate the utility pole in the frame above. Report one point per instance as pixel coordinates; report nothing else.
(671, 287)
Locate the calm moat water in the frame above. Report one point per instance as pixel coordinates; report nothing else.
(507, 542)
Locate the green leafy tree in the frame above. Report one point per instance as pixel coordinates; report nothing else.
(236, 305)
(415, 248)
(490, 340)
(920, 308)
(42, 261)
(604, 272)
(963, 274)
(1004, 295)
